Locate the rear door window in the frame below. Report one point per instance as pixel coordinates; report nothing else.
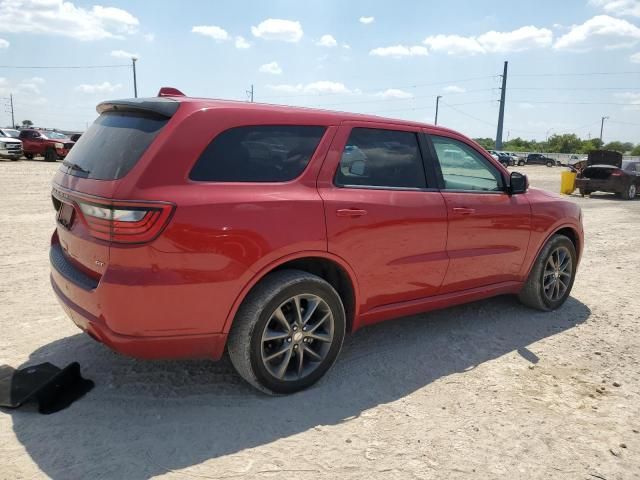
(260, 153)
(380, 158)
(111, 147)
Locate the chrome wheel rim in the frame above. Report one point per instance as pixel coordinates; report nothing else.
(557, 274)
(297, 337)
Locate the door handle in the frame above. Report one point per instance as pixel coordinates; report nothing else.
(350, 212)
(464, 211)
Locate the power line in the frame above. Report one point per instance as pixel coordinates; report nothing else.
(573, 74)
(62, 67)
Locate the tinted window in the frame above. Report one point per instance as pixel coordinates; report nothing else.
(381, 158)
(263, 153)
(463, 168)
(112, 145)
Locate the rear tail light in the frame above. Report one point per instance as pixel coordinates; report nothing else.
(616, 173)
(125, 222)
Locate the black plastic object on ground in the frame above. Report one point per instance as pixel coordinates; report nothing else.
(53, 388)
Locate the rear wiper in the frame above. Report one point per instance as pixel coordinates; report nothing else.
(75, 166)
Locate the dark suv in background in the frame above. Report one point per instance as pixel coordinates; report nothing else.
(540, 159)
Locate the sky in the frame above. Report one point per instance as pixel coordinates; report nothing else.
(571, 62)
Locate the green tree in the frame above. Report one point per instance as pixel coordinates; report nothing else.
(27, 123)
(565, 143)
(619, 146)
(636, 150)
(486, 143)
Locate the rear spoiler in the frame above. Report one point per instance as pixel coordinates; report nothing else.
(160, 106)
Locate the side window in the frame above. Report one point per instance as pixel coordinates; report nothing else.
(381, 158)
(261, 153)
(463, 168)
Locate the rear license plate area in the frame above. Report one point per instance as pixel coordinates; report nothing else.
(65, 215)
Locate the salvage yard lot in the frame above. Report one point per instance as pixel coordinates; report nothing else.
(486, 390)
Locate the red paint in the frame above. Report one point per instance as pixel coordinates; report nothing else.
(175, 294)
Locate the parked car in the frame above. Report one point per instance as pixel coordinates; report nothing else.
(189, 226)
(518, 159)
(605, 171)
(10, 146)
(540, 159)
(51, 145)
(75, 137)
(504, 158)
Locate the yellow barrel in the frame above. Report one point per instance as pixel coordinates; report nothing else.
(567, 182)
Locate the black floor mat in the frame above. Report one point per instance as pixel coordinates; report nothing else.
(53, 388)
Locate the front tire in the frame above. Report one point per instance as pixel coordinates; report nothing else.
(521, 163)
(28, 156)
(50, 155)
(549, 163)
(552, 276)
(288, 332)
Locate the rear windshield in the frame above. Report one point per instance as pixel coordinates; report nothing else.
(261, 153)
(112, 145)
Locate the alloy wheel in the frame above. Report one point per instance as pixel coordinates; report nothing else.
(297, 337)
(558, 270)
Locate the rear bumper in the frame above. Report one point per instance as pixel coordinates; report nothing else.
(593, 185)
(138, 346)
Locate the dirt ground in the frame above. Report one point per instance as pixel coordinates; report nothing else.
(487, 390)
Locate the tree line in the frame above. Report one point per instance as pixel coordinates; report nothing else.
(565, 143)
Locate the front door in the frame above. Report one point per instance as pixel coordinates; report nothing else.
(383, 216)
(489, 229)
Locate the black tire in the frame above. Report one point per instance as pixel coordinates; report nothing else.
(533, 294)
(246, 344)
(630, 192)
(28, 156)
(50, 155)
(549, 163)
(584, 192)
(521, 163)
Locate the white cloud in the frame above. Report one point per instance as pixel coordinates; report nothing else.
(30, 86)
(38, 80)
(399, 51)
(320, 87)
(57, 17)
(599, 31)
(123, 54)
(327, 41)
(367, 20)
(394, 93)
(4, 43)
(346, 46)
(272, 68)
(633, 98)
(619, 7)
(149, 37)
(278, 29)
(453, 89)
(241, 42)
(213, 31)
(104, 87)
(635, 58)
(523, 38)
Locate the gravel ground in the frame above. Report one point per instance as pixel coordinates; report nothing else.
(487, 390)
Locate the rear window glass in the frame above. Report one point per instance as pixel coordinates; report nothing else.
(261, 153)
(112, 145)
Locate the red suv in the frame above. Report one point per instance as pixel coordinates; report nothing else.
(51, 145)
(187, 226)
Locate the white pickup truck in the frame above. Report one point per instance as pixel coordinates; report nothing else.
(10, 146)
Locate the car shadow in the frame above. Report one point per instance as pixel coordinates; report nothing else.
(149, 418)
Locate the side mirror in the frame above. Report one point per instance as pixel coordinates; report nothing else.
(357, 168)
(518, 183)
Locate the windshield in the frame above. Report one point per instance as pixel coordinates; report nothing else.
(8, 132)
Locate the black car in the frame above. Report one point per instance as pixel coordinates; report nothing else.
(540, 159)
(605, 171)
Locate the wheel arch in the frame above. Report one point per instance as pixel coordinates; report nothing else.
(569, 231)
(327, 266)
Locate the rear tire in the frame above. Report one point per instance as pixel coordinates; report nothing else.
(521, 163)
(551, 278)
(28, 156)
(270, 341)
(630, 192)
(584, 192)
(50, 155)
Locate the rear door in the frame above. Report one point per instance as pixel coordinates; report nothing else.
(488, 232)
(383, 216)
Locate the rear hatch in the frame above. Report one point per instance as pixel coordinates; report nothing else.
(604, 157)
(88, 219)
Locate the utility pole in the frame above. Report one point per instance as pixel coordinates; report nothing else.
(437, 104)
(503, 92)
(13, 121)
(602, 127)
(250, 93)
(135, 81)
